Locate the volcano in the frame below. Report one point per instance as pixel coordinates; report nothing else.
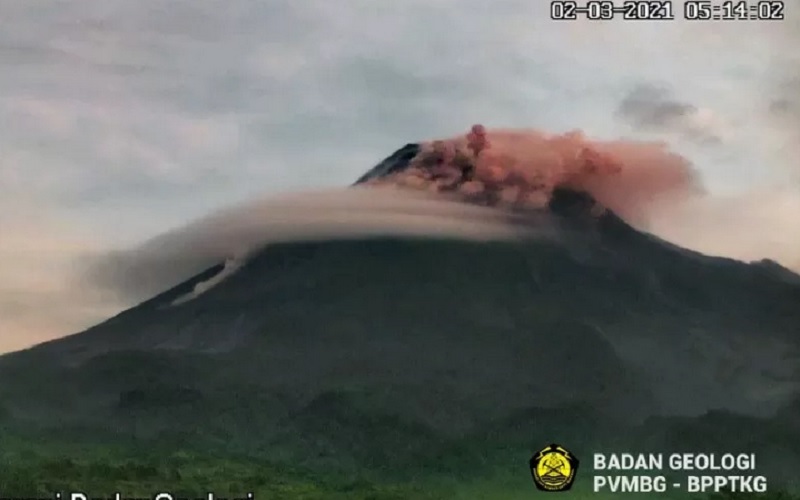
(403, 353)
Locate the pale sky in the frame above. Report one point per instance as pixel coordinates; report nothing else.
(122, 119)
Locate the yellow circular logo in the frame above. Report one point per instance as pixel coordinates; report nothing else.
(553, 468)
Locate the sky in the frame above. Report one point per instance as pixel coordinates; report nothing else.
(120, 120)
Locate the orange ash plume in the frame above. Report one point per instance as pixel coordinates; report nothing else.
(522, 168)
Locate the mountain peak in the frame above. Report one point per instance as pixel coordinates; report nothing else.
(442, 337)
(421, 167)
(396, 162)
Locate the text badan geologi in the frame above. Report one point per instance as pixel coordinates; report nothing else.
(725, 472)
(120, 496)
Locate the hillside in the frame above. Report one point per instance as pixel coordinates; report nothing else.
(438, 357)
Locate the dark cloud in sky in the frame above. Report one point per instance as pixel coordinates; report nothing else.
(654, 108)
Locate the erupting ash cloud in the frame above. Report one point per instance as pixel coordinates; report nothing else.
(522, 168)
(651, 187)
(470, 186)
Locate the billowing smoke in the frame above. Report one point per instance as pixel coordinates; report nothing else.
(645, 183)
(522, 168)
(472, 186)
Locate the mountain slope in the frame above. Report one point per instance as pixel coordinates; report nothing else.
(341, 350)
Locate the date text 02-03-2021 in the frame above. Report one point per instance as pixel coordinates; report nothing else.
(659, 10)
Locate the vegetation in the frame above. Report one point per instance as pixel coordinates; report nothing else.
(775, 495)
(258, 417)
(30, 469)
(103, 471)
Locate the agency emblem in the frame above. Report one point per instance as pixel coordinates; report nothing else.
(554, 468)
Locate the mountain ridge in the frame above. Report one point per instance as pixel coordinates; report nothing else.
(318, 349)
